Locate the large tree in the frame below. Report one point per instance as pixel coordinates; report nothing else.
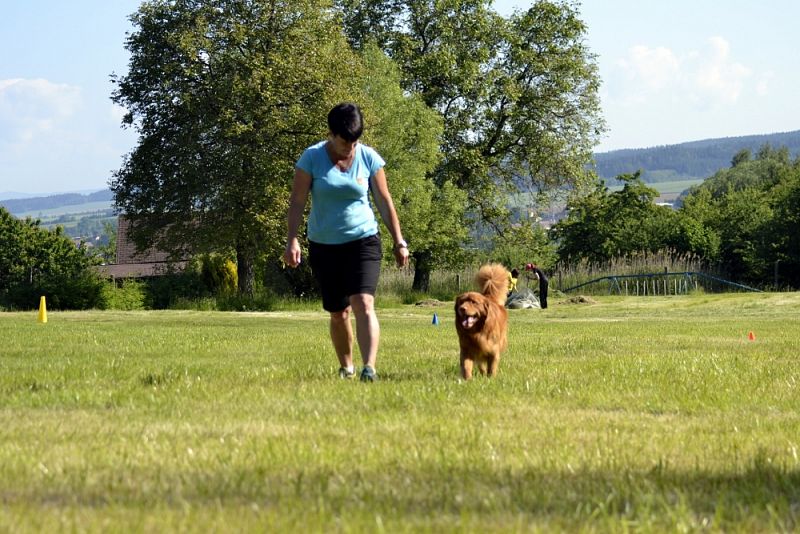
(225, 94)
(517, 96)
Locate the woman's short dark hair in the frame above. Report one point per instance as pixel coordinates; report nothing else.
(345, 120)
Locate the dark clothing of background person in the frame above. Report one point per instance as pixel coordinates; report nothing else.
(543, 283)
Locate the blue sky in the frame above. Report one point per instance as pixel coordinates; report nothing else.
(672, 72)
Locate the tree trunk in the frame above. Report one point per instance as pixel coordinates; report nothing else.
(422, 271)
(245, 270)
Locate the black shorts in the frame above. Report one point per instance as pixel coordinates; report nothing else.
(347, 269)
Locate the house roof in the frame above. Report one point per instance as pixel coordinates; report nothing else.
(130, 264)
(140, 270)
(126, 248)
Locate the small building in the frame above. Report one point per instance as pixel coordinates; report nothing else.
(151, 262)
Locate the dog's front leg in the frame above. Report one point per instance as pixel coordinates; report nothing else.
(494, 360)
(466, 367)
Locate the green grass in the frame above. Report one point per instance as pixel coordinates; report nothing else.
(632, 414)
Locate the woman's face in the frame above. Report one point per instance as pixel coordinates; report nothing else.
(341, 147)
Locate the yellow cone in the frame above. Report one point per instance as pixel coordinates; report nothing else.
(42, 310)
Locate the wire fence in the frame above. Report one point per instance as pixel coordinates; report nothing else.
(647, 274)
(667, 283)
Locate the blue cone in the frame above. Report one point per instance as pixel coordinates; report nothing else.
(435, 320)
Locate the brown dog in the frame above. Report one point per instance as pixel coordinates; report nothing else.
(482, 321)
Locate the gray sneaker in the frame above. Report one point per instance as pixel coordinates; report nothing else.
(368, 374)
(346, 374)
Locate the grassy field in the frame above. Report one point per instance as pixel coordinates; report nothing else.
(628, 414)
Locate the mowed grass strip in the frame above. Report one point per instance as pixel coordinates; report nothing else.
(631, 413)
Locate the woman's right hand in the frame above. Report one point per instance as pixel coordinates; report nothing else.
(291, 256)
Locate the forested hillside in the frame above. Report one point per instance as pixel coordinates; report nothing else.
(687, 161)
(22, 205)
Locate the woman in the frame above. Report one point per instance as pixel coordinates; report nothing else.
(344, 245)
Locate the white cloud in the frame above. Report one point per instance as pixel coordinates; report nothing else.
(656, 67)
(651, 74)
(709, 77)
(718, 77)
(31, 107)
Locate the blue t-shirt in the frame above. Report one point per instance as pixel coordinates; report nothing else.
(340, 208)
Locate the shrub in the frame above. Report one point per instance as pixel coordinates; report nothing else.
(219, 273)
(37, 262)
(130, 295)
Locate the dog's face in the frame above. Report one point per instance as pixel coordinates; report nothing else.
(471, 310)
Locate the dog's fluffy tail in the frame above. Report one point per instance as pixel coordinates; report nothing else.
(492, 281)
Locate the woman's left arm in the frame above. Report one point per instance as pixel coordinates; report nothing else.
(385, 205)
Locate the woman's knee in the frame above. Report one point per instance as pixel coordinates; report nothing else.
(362, 302)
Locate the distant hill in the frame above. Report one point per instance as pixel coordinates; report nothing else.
(695, 160)
(34, 204)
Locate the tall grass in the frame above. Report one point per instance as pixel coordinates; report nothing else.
(574, 274)
(395, 285)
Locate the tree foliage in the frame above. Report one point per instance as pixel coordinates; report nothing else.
(225, 94)
(517, 96)
(602, 225)
(36, 262)
(753, 208)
